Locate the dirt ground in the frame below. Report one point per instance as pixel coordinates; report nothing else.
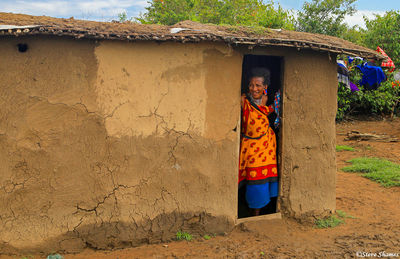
(375, 228)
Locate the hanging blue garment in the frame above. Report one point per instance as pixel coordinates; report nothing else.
(277, 105)
(372, 76)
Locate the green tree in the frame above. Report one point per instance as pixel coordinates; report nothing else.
(325, 16)
(384, 31)
(270, 17)
(355, 34)
(231, 12)
(167, 11)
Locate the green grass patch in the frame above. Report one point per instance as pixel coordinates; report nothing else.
(333, 220)
(207, 237)
(344, 215)
(329, 222)
(180, 235)
(382, 171)
(344, 148)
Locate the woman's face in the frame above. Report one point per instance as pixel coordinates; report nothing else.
(256, 87)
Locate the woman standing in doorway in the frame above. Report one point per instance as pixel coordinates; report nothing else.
(258, 167)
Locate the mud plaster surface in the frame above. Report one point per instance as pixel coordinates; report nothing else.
(97, 143)
(113, 144)
(308, 146)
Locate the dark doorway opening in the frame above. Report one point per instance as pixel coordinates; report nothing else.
(275, 65)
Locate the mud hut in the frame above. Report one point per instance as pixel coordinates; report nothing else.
(113, 135)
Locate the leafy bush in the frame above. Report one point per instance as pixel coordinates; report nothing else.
(247, 12)
(382, 101)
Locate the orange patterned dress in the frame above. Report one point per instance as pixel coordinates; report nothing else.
(258, 146)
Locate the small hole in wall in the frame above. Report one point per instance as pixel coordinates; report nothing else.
(22, 47)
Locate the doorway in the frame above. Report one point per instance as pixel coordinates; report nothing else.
(274, 64)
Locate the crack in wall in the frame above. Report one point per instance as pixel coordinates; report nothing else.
(107, 196)
(85, 108)
(14, 184)
(179, 134)
(114, 110)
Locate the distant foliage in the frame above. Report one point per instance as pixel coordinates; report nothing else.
(230, 12)
(167, 12)
(123, 17)
(325, 16)
(355, 34)
(384, 31)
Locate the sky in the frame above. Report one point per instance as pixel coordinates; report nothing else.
(107, 10)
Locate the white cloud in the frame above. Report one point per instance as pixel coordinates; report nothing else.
(85, 9)
(357, 18)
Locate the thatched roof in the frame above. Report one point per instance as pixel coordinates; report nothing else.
(186, 31)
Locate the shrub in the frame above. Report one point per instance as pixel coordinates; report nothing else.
(382, 101)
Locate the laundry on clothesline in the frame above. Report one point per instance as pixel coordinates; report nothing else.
(372, 77)
(351, 59)
(353, 87)
(343, 73)
(389, 63)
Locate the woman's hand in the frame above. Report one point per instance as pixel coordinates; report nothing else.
(264, 100)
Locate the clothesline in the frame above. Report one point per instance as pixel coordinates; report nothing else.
(372, 75)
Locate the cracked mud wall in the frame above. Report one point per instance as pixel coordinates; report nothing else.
(115, 144)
